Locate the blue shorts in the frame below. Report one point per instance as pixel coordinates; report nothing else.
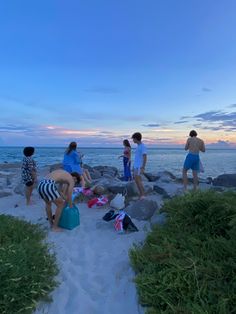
(192, 162)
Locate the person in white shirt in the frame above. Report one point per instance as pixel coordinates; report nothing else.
(140, 161)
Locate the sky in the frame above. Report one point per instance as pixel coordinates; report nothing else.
(96, 71)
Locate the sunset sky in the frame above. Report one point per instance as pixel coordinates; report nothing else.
(96, 71)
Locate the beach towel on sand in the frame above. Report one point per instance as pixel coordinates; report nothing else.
(99, 201)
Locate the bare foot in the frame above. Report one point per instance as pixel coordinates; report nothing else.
(28, 203)
(142, 197)
(56, 229)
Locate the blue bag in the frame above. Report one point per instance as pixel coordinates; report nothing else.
(69, 218)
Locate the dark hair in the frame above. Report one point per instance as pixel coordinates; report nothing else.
(193, 133)
(126, 143)
(137, 136)
(77, 176)
(28, 151)
(72, 146)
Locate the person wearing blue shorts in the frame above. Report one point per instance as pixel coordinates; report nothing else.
(192, 161)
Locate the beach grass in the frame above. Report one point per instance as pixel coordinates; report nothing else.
(27, 268)
(189, 265)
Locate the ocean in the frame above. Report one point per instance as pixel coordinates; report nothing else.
(215, 161)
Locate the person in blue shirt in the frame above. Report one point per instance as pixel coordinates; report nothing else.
(140, 161)
(72, 162)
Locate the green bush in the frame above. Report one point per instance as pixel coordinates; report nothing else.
(189, 265)
(27, 270)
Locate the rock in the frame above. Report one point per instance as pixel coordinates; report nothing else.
(151, 177)
(118, 188)
(112, 171)
(166, 176)
(142, 209)
(158, 219)
(227, 180)
(161, 191)
(5, 193)
(132, 189)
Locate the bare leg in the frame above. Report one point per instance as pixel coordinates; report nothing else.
(59, 202)
(185, 179)
(88, 175)
(138, 181)
(195, 180)
(28, 193)
(49, 212)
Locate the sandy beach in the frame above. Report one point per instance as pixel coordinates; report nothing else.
(95, 275)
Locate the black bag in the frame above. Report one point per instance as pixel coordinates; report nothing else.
(128, 224)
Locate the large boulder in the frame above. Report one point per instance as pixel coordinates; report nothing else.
(158, 189)
(151, 176)
(158, 218)
(227, 180)
(142, 209)
(107, 170)
(132, 189)
(166, 176)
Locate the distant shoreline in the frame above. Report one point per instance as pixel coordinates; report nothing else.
(93, 147)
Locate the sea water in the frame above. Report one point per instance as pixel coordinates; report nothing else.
(215, 161)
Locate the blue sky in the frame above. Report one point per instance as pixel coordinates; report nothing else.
(97, 71)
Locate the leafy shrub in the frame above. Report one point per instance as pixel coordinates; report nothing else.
(27, 270)
(189, 265)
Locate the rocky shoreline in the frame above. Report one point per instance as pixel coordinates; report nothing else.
(158, 186)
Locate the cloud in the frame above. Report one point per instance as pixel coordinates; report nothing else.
(102, 90)
(221, 144)
(232, 106)
(221, 120)
(180, 122)
(206, 89)
(151, 125)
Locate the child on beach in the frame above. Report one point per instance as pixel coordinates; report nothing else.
(28, 172)
(140, 161)
(72, 162)
(194, 145)
(127, 160)
(50, 193)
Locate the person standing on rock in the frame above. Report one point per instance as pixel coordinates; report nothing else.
(28, 172)
(140, 161)
(127, 160)
(194, 145)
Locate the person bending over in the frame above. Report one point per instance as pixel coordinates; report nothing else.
(49, 192)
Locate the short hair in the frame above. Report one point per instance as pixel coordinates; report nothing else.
(137, 136)
(192, 133)
(77, 176)
(126, 143)
(28, 151)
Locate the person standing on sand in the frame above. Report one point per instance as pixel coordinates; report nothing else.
(127, 160)
(28, 172)
(50, 194)
(194, 145)
(140, 161)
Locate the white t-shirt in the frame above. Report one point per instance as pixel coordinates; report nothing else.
(138, 159)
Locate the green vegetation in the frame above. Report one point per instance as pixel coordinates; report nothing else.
(189, 265)
(27, 270)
